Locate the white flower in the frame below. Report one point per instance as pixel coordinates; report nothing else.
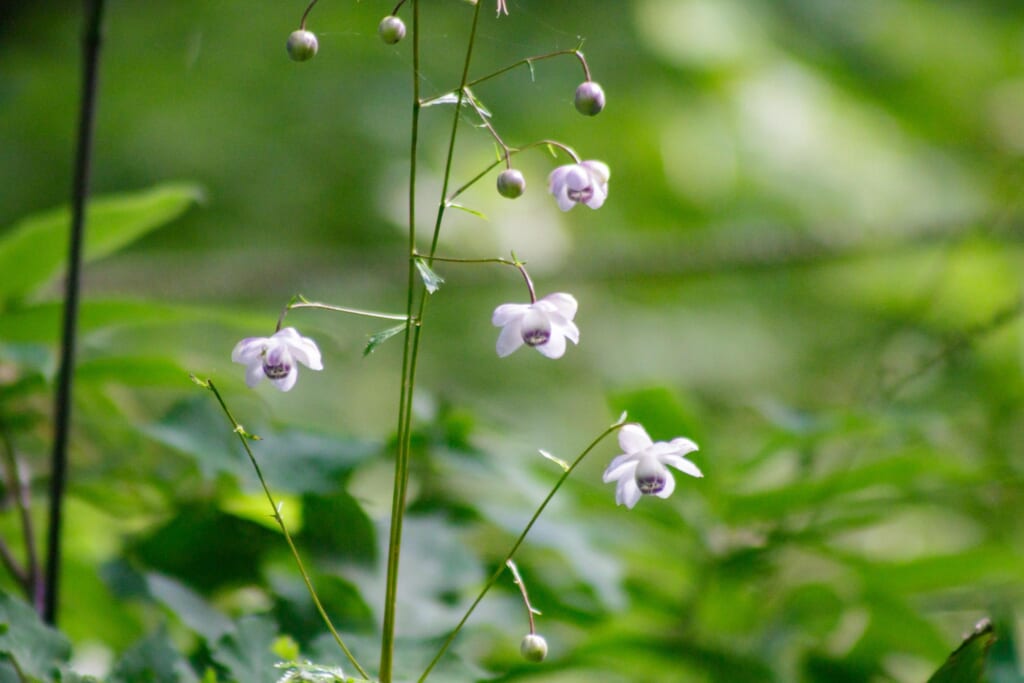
(274, 357)
(502, 8)
(582, 183)
(544, 325)
(641, 469)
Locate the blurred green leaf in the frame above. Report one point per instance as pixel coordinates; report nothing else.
(232, 552)
(659, 410)
(34, 251)
(38, 650)
(193, 611)
(248, 652)
(153, 660)
(967, 663)
(336, 526)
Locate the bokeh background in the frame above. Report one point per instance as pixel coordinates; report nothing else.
(809, 262)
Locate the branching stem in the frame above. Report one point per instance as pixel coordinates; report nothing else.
(245, 437)
(515, 546)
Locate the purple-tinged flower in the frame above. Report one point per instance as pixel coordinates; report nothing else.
(582, 183)
(641, 471)
(275, 357)
(544, 325)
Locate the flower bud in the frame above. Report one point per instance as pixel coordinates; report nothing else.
(511, 183)
(391, 29)
(589, 98)
(533, 648)
(302, 45)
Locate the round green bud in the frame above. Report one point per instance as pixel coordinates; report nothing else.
(589, 98)
(302, 45)
(511, 183)
(533, 648)
(391, 29)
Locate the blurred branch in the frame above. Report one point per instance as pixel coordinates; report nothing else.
(91, 42)
(15, 476)
(956, 344)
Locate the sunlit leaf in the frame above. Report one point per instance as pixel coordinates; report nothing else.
(379, 338)
(35, 250)
(967, 663)
(431, 280)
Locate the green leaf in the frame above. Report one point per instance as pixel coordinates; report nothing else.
(463, 207)
(431, 280)
(38, 650)
(350, 535)
(193, 611)
(34, 251)
(154, 660)
(248, 654)
(379, 338)
(967, 663)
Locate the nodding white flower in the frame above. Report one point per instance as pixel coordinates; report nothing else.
(544, 325)
(275, 357)
(582, 183)
(641, 469)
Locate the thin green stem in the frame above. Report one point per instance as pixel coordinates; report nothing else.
(515, 546)
(300, 301)
(413, 334)
(387, 647)
(530, 60)
(309, 8)
(244, 437)
(512, 151)
(515, 263)
(518, 580)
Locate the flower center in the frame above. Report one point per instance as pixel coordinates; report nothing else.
(651, 476)
(581, 196)
(277, 365)
(536, 328)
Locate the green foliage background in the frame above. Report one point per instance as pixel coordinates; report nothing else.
(809, 262)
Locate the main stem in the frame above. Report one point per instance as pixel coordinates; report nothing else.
(79, 196)
(413, 330)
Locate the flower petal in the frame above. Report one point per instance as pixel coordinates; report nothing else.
(564, 303)
(633, 438)
(568, 329)
(510, 339)
(597, 197)
(253, 374)
(683, 446)
(621, 466)
(599, 170)
(555, 345)
(564, 203)
(306, 352)
(506, 313)
(627, 493)
(288, 381)
(681, 464)
(249, 349)
(670, 486)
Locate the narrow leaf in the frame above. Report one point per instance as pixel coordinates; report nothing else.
(431, 280)
(967, 663)
(381, 337)
(558, 461)
(461, 207)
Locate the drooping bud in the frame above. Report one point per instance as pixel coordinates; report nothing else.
(589, 98)
(511, 183)
(533, 648)
(302, 45)
(391, 29)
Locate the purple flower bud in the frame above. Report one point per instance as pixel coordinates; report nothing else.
(511, 183)
(302, 45)
(391, 29)
(589, 98)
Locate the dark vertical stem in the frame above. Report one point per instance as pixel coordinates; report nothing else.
(79, 194)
